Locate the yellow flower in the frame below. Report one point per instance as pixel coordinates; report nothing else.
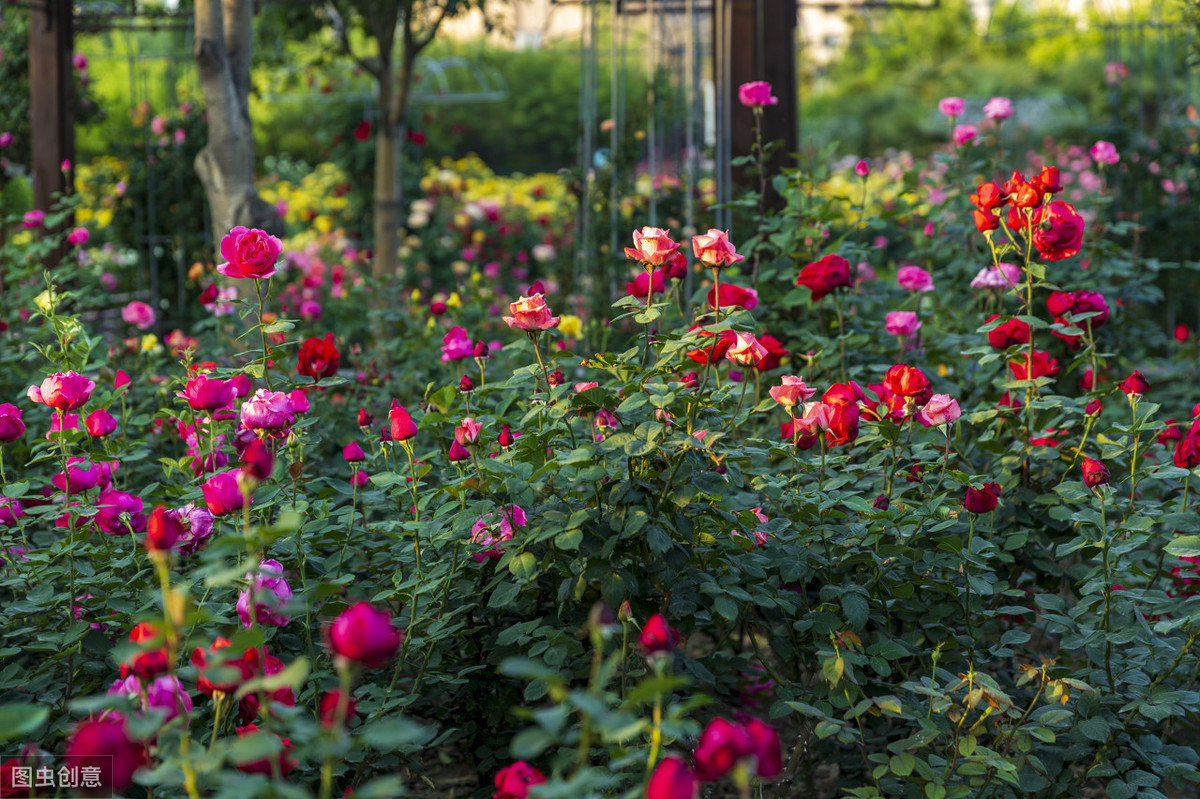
(570, 326)
(415, 296)
(454, 301)
(46, 301)
(150, 343)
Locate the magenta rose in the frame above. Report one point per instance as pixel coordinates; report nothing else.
(364, 635)
(271, 594)
(268, 410)
(756, 94)
(902, 323)
(119, 513)
(914, 278)
(249, 253)
(11, 426)
(223, 493)
(208, 393)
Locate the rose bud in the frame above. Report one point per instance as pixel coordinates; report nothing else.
(672, 779)
(329, 705)
(223, 493)
(722, 744)
(365, 419)
(513, 782)
(257, 460)
(457, 452)
(768, 752)
(104, 741)
(882, 502)
(100, 423)
(556, 378)
(1094, 408)
(481, 350)
(657, 636)
(218, 671)
(163, 530)
(353, 453)
(364, 635)
(1135, 384)
(11, 426)
(1095, 473)
(982, 500)
(465, 385)
(505, 439)
(402, 425)
(149, 662)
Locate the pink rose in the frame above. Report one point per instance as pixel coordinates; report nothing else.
(138, 314)
(952, 106)
(78, 236)
(964, 133)
(456, 345)
(938, 411)
(714, 249)
(1103, 152)
(652, 246)
(998, 108)
(791, 391)
(223, 492)
(33, 219)
(756, 94)
(902, 323)
(271, 594)
(208, 393)
(249, 253)
(63, 391)
(862, 169)
(268, 410)
(364, 635)
(914, 278)
(530, 313)
(467, 432)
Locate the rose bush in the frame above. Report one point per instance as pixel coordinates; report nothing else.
(602, 556)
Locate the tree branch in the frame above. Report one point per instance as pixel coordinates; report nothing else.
(371, 65)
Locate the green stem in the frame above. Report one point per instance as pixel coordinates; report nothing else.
(966, 566)
(1107, 594)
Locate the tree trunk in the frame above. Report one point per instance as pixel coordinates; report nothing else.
(387, 192)
(225, 165)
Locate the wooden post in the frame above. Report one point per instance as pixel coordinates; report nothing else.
(51, 98)
(759, 43)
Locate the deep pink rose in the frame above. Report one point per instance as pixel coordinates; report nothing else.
(902, 323)
(138, 314)
(223, 493)
(208, 393)
(249, 253)
(914, 278)
(364, 635)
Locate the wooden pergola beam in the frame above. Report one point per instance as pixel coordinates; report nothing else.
(51, 97)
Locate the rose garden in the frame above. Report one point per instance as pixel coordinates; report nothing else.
(880, 489)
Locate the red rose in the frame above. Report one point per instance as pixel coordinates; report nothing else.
(715, 352)
(731, 295)
(722, 744)
(105, 743)
(672, 779)
(825, 275)
(224, 674)
(775, 353)
(989, 197)
(1043, 366)
(148, 663)
(1048, 180)
(843, 425)
(908, 381)
(1012, 332)
(843, 394)
(318, 358)
(1187, 451)
(1057, 231)
(982, 500)
(1095, 473)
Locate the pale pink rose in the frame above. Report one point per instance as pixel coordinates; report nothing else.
(998, 108)
(938, 411)
(581, 387)
(158, 125)
(902, 323)
(467, 432)
(791, 391)
(180, 135)
(952, 106)
(991, 277)
(746, 350)
(530, 313)
(138, 314)
(914, 278)
(1115, 72)
(714, 249)
(652, 246)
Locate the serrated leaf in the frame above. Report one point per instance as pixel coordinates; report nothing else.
(1186, 546)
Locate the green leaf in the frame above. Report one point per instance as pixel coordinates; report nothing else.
(832, 669)
(855, 609)
(726, 607)
(902, 764)
(254, 747)
(1186, 546)
(395, 734)
(19, 720)
(1094, 729)
(523, 566)
(292, 676)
